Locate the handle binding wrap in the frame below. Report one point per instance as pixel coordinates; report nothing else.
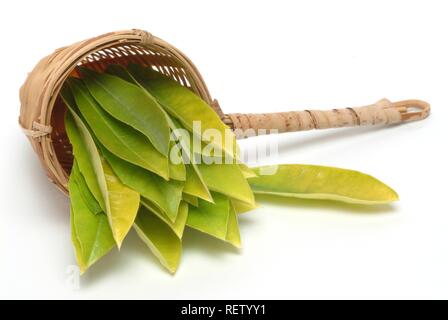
(382, 112)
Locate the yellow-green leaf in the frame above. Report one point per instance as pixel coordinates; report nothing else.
(124, 204)
(242, 207)
(190, 199)
(186, 106)
(177, 170)
(120, 202)
(91, 165)
(318, 182)
(177, 226)
(160, 238)
(76, 242)
(85, 152)
(91, 234)
(87, 196)
(247, 172)
(117, 137)
(164, 194)
(233, 230)
(131, 105)
(227, 179)
(211, 218)
(194, 184)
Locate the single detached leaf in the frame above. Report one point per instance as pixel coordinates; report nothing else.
(116, 136)
(317, 182)
(85, 152)
(91, 234)
(87, 196)
(211, 218)
(129, 104)
(161, 239)
(227, 179)
(233, 230)
(177, 226)
(124, 204)
(164, 194)
(186, 106)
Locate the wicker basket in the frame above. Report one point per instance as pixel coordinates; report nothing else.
(42, 111)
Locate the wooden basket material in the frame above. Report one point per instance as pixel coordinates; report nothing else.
(42, 111)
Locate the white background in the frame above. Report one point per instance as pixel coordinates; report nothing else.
(256, 56)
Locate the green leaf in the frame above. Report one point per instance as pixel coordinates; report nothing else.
(177, 171)
(190, 199)
(317, 182)
(160, 238)
(233, 230)
(211, 218)
(116, 136)
(242, 207)
(164, 194)
(247, 172)
(87, 196)
(121, 203)
(177, 226)
(124, 203)
(227, 179)
(186, 106)
(91, 234)
(129, 104)
(120, 71)
(85, 152)
(194, 184)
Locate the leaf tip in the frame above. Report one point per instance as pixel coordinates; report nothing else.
(119, 242)
(236, 244)
(392, 195)
(395, 196)
(82, 270)
(172, 269)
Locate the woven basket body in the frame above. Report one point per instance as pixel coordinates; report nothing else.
(42, 111)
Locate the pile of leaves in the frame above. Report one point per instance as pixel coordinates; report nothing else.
(137, 164)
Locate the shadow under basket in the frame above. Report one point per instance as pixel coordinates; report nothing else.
(42, 110)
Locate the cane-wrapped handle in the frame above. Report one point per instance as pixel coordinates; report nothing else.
(383, 112)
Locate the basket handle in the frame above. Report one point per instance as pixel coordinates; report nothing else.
(382, 112)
